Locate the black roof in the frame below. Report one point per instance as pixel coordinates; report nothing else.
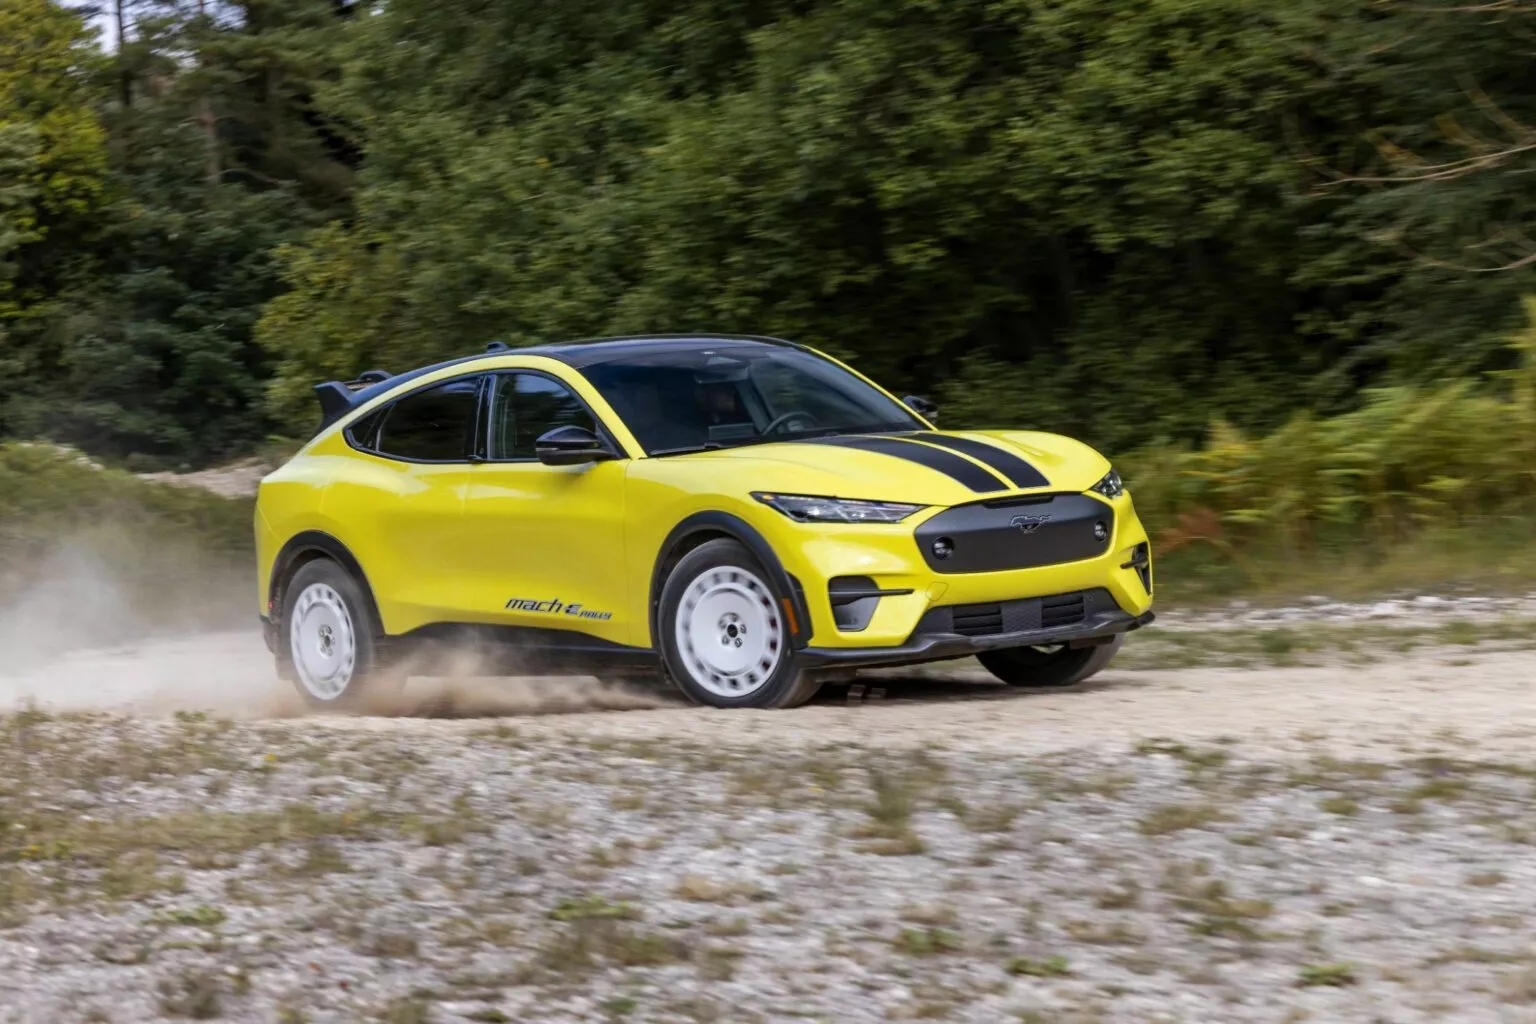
(337, 397)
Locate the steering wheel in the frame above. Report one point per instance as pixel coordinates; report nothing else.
(790, 417)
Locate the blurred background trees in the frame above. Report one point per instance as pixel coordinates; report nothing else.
(1123, 219)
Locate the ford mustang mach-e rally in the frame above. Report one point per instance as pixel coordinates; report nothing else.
(744, 516)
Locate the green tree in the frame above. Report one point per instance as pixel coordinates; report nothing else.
(1102, 195)
(53, 174)
(218, 158)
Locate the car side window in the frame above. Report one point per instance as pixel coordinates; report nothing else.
(435, 425)
(527, 406)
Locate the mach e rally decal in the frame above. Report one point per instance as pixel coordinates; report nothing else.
(554, 606)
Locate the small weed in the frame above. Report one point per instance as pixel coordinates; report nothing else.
(390, 945)
(1444, 788)
(1327, 975)
(889, 829)
(195, 994)
(1341, 805)
(926, 941)
(1124, 897)
(200, 917)
(1116, 934)
(703, 890)
(593, 939)
(408, 1010)
(718, 963)
(1177, 817)
(321, 857)
(489, 1015)
(1050, 967)
(593, 907)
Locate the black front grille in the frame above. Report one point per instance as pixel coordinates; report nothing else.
(1022, 615)
(1021, 532)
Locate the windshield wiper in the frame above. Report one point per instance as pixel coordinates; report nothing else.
(707, 446)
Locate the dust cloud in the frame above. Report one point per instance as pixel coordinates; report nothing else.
(87, 631)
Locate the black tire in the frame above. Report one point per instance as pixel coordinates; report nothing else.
(779, 685)
(374, 679)
(1062, 666)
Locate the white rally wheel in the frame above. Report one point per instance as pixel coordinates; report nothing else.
(729, 631)
(323, 642)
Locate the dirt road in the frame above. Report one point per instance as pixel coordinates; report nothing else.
(1159, 846)
(1432, 699)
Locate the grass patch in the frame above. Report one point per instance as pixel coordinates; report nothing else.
(926, 941)
(1341, 805)
(1171, 818)
(889, 829)
(1050, 967)
(594, 907)
(1327, 976)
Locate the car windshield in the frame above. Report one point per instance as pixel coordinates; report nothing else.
(701, 398)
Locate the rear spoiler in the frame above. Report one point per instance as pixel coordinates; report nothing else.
(337, 397)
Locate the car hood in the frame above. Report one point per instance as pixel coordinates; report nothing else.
(928, 467)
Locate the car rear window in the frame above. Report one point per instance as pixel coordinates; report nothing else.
(435, 425)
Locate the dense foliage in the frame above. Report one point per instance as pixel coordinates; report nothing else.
(1124, 219)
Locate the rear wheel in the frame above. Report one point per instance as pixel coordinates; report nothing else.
(330, 641)
(723, 635)
(1057, 665)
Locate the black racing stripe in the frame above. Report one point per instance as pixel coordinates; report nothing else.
(952, 466)
(1011, 466)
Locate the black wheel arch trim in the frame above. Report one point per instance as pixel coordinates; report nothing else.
(739, 529)
(330, 547)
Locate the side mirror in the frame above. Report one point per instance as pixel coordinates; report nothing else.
(923, 407)
(571, 446)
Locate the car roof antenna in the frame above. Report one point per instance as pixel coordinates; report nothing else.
(498, 346)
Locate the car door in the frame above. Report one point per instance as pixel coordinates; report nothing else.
(549, 540)
(401, 504)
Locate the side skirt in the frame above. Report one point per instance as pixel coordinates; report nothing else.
(518, 650)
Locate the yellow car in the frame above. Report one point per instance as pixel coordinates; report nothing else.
(746, 515)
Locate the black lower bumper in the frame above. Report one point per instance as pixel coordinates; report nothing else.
(269, 633)
(941, 646)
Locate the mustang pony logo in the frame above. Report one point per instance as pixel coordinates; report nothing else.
(1029, 524)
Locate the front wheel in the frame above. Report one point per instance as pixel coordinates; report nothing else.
(723, 634)
(331, 643)
(1058, 665)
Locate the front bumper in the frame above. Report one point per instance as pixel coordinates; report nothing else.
(996, 568)
(1100, 625)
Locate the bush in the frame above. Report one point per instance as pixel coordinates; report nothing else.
(1410, 463)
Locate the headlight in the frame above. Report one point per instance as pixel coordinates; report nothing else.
(806, 509)
(1111, 486)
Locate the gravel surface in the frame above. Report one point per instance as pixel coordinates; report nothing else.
(1330, 843)
(1416, 610)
